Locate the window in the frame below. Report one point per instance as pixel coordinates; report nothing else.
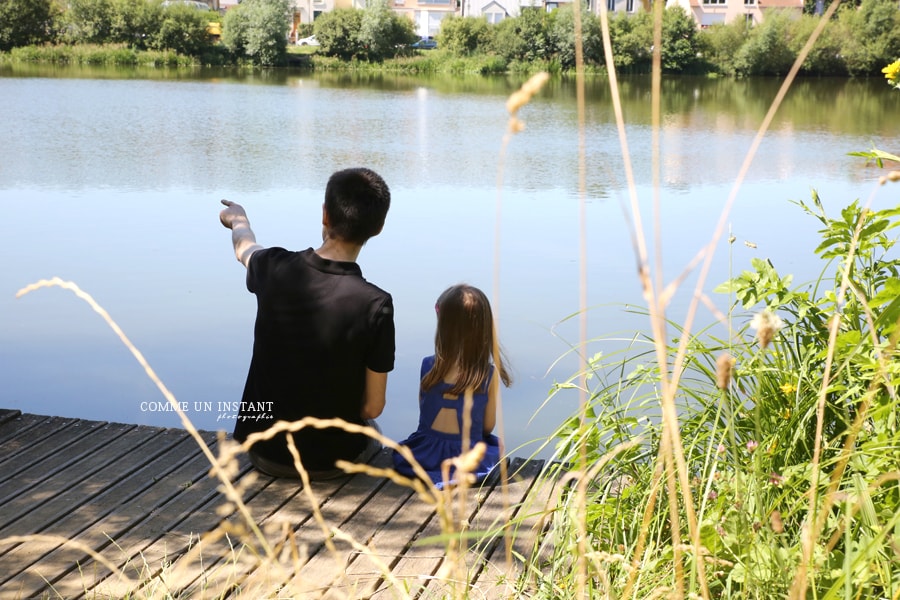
(713, 2)
(749, 2)
(629, 6)
(494, 17)
(610, 5)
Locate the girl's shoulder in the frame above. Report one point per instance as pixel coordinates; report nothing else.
(427, 365)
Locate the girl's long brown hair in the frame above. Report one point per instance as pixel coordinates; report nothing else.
(465, 338)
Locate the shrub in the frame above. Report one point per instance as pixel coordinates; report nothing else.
(382, 31)
(257, 30)
(338, 32)
(871, 36)
(182, 29)
(767, 50)
(561, 35)
(680, 42)
(631, 37)
(465, 35)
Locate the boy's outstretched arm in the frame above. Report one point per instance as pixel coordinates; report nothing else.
(235, 218)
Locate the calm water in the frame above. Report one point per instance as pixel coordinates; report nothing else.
(113, 180)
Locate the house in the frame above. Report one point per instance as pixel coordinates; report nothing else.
(710, 12)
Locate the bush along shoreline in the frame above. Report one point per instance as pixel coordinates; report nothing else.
(858, 40)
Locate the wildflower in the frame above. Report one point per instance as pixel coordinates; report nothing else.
(720, 449)
(766, 324)
(776, 479)
(892, 73)
(724, 369)
(752, 445)
(788, 388)
(712, 495)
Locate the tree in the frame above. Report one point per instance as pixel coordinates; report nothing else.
(561, 35)
(767, 50)
(182, 29)
(382, 31)
(680, 43)
(631, 37)
(257, 30)
(465, 35)
(871, 36)
(25, 22)
(89, 21)
(338, 32)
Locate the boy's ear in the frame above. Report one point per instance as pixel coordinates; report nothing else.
(324, 217)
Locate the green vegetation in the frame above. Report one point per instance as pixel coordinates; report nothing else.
(858, 41)
(790, 441)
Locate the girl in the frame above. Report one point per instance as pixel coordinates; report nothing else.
(463, 346)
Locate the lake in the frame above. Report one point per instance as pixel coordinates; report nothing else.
(112, 179)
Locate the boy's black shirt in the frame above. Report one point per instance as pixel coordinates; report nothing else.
(319, 325)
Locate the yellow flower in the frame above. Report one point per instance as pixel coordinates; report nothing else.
(892, 71)
(788, 388)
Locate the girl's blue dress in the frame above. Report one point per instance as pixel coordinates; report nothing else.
(432, 447)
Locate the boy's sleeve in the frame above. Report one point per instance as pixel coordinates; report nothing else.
(381, 354)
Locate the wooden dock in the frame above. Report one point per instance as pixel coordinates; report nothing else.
(105, 510)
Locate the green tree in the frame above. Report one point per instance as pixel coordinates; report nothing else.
(631, 37)
(382, 31)
(524, 37)
(25, 22)
(465, 35)
(134, 23)
(722, 43)
(768, 48)
(182, 29)
(680, 42)
(871, 36)
(338, 32)
(825, 58)
(89, 21)
(257, 30)
(561, 35)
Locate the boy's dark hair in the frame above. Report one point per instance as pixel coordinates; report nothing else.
(356, 202)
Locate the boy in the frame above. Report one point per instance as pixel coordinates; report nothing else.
(324, 336)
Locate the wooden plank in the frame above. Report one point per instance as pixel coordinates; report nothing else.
(156, 548)
(143, 497)
(363, 572)
(336, 506)
(22, 434)
(124, 496)
(375, 502)
(53, 454)
(490, 513)
(71, 487)
(501, 579)
(8, 414)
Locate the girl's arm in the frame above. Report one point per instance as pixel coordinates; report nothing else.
(490, 411)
